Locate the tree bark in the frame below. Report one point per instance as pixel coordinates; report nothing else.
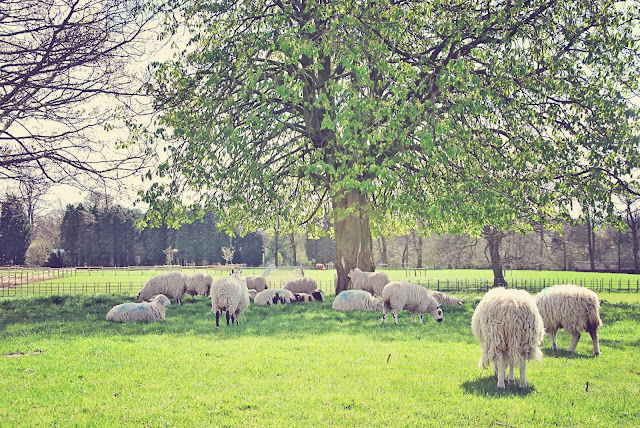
(494, 239)
(385, 258)
(354, 246)
(294, 258)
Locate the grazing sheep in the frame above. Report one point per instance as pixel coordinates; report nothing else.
(252, 294)
(301, 285)
(509, 327)
(373, 282)
(273, 297)
(147, 312)
(398, 295)
(320, 266)
(357, 300)
(172, 284)
(316, 296)
(256, 282)
(573, 308)
(445, 299)
(229, 294)
(199, 284)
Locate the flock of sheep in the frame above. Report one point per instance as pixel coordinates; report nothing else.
(509, 324)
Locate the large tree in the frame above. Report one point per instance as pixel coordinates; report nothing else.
(15, 231)
(446, 116)
(63, 75)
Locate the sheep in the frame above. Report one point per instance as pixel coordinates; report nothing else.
(301, 285)
(398, 295)
(199, 284)
(357, 300)
(229, 294)
(172, 284)
(256, 282)
(320, 266)
(509, 327)
(316, 296)
(373, 282)
(273, 297)
(252, 293)
(143, 311)
(573, 308)
(445, 299)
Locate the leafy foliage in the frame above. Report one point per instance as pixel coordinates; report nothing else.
(15, 231)
(451, 116)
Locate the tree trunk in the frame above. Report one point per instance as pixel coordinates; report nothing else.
(591, 241)
(494, 239)
(294, 258)
(385, 258)
(277, 248)
(353, 235)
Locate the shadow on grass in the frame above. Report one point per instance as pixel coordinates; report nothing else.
(547, 352)
(486, 386)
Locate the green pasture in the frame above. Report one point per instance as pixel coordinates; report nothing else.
(300, 365)
(130, 281)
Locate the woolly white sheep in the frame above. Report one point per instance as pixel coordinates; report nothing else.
(373, 282)
(301, 285)
(252, 293)
(229, 294)
(573, 308)
(399, 295)
(171, 284)
(509, 327)
(446, 299)
(147, 312)
(357, 300)
(199, 284)
(256, 282)
(316, 296)
(273, 297)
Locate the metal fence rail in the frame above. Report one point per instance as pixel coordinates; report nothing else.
(44, 288)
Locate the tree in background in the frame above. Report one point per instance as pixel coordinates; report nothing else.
(451, 116)
(249, 249)
(15, 231)
(64, 74)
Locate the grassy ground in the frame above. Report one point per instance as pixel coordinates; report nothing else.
(299, 365)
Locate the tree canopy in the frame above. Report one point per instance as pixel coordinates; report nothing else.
(447, 115)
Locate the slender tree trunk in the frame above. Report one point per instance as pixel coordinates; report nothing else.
(405, 253)
(385, 258)
(591, 243)
(277, 248)
(294, 257)
(634, 245)
(419, 252)
(353, 235)
(494, 239)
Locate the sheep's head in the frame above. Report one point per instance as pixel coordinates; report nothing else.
(161, 298)
(437, 313)
(317, 295)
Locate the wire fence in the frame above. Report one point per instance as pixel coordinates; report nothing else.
(44, 288)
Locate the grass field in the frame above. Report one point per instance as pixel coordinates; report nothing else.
(297, 365)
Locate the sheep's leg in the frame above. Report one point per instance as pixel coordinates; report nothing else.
(413, 317)
(217, 318)
(523, 374)
(228, 316)
(512, 376)
(421, 319)
(500, 367)
(596, 343)
(395, 318)
(554, 344)
(574, 342)
(384, 318)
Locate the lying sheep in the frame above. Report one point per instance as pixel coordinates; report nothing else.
(256, 282)
(252, 294)
(316, 296)
(398, 295)
(273, 297)
(199, 284)
(373, 282)
(301, 285)
(172, 284)
(446, 299)
(320, 266)
(573, 308)
(510, 330)
(146, 312)
(357, 300)
(229, 294)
